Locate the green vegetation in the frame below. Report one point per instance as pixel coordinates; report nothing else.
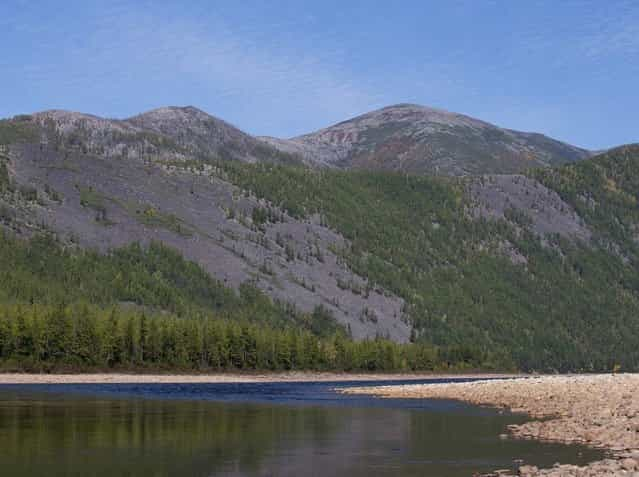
(152, 217)
(518, 216)
(413, 235)
(604, 191)
(17, 130)
(41, 271)
(263, 215)
(5, 181)
(37, 337)
(96, 201)
(139, 308)
(145, 214)
(92, 199)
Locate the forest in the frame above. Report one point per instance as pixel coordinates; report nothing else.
(83, 337)
(415, 236)
(141, 308)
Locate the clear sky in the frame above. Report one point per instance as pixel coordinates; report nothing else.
(567, 68)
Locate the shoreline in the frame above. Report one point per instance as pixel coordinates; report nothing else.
(266, 377)
(600, 411)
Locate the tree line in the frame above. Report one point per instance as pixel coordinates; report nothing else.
(84, 337)
(146, 307)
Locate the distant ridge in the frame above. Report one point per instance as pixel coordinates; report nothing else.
(186, 131)
(419, 139)
(403, 137)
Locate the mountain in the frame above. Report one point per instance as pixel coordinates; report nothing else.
(172, 133)
(404, 138)
(484, 270)
(418, 139)
(203, 135)
(511, 264)
(104, 184)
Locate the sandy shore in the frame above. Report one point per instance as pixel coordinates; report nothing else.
(597, 410)
(121, 378)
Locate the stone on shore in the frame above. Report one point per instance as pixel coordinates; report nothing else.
(597, 410)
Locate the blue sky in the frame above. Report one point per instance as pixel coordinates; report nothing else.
(569, 68)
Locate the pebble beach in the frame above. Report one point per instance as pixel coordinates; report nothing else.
(596, 410)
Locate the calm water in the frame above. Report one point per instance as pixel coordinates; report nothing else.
(252, 430)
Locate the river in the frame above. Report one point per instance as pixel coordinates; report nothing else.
(275, 429)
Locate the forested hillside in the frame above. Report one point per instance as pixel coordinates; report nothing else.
(148, 308)
(493, 284)
(535, 271)
(604, 191)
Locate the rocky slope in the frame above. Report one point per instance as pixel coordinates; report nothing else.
(203, 135)
(106, 201)
(525, 202)
(418, 139)
(170, 133)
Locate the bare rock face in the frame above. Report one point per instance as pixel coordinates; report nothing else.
(105, 202)
(314, 154)
(526, 203)
(418, 139)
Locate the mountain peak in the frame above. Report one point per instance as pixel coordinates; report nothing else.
(421, 139)
(67, 121)
(202, 134)
(65, 115)
(411, 107)
(173, 113)
(414, 115)
(184, 130)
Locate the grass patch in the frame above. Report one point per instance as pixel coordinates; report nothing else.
(17, 130)
(91, 199)
(153, 217)
(150, 216)
(145, 214)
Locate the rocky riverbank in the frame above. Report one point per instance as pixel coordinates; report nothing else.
(173, 378)
(596, 410)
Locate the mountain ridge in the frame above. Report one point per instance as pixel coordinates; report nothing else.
(403, 137)
(188, 131)
(421, 139)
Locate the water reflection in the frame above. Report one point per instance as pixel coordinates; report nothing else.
(66, 435)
